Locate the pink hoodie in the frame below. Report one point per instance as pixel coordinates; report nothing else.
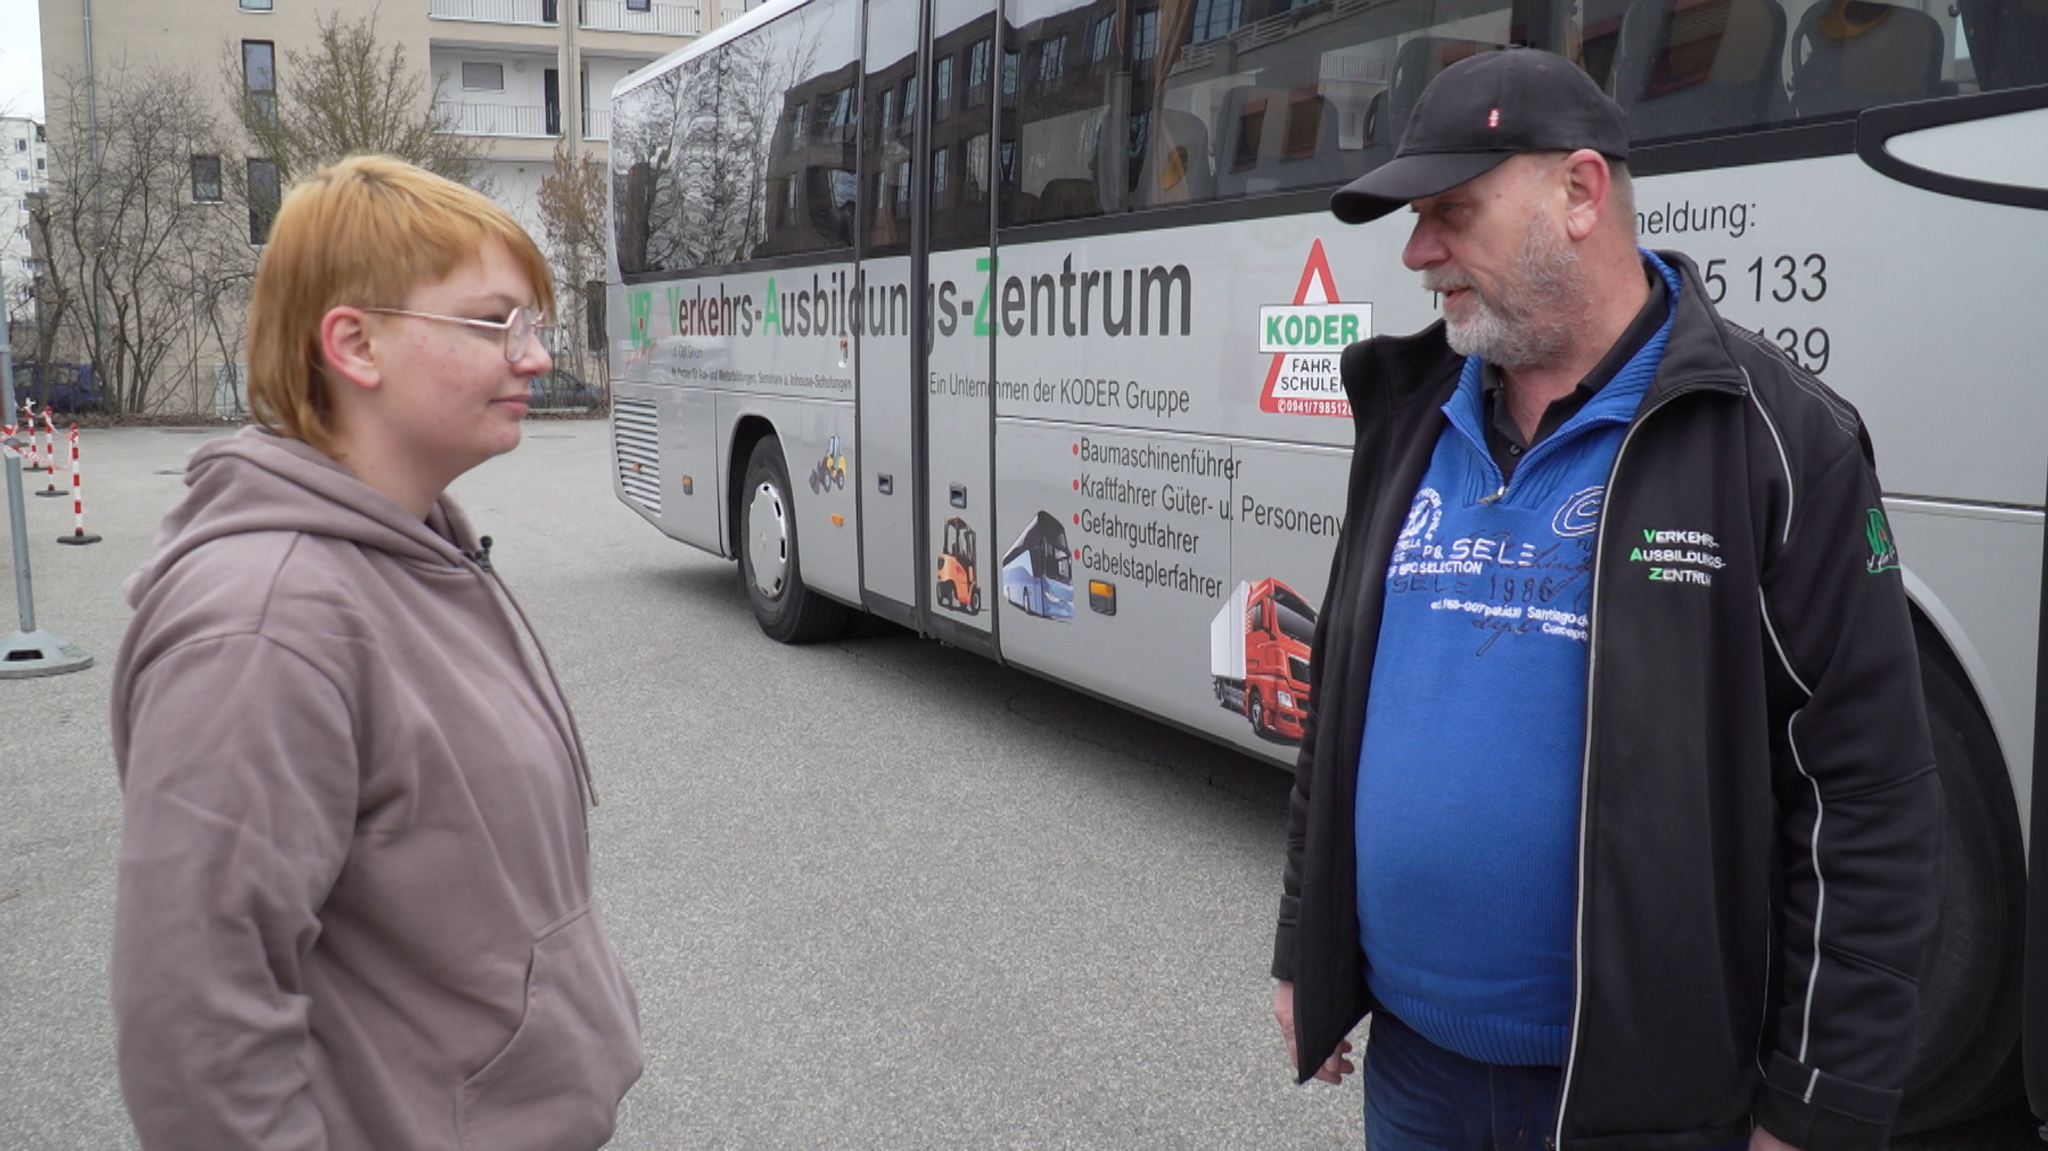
(353, 907)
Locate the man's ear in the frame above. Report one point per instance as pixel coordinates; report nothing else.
(1586, 183)
(346, 348)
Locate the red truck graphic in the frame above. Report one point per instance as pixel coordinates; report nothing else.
(1258, 654)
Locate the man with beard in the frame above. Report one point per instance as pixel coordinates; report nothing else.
(1616, 809)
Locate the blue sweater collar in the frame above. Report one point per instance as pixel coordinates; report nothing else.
(1615, 403)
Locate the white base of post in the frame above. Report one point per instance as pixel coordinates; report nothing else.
(26, 654)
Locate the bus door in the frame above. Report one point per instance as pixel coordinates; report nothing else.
(894, 572)
(957, 105)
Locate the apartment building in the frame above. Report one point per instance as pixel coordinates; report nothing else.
(518, 74)
(24, 171)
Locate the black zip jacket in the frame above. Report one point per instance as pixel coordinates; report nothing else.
(1760, 818)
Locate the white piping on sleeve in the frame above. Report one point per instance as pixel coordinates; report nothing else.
(1820, 901)
(1784, 660)
(1812, 1082)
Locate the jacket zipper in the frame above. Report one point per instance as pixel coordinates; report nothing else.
(1586, 768)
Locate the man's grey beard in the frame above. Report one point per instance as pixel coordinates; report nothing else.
(1528, 320)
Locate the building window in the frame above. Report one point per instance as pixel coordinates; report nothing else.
(259, 77)
(206, 179)
(977, 168)
(21, 174)
(977, 71)
(1145, 35)
(263, 198)
(942, 87)
(255, 5)
(21, 145)
(483, 77)
(639, 5)
(1100, 38)
(1052, 56)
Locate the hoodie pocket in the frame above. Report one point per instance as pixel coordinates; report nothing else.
(556, 1086)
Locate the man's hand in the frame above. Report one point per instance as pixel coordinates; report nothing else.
(1336, 1067)
(1762, 1140)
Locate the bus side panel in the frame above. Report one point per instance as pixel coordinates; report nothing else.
(885, 465)
(813, 436)
(958, 441)
(1141, 516)
(691, 510)
(1995, 554)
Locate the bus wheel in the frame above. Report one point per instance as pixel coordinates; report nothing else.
(1969, 1058)
(770, 567)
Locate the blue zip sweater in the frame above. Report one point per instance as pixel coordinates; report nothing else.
(1468, 777)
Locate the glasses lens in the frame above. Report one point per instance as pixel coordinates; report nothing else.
(517, 330)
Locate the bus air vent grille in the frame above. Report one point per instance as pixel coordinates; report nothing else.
(636, 448)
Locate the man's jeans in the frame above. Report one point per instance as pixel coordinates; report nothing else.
(1420, 1097)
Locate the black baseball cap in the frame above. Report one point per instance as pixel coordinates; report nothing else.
(1477, 113)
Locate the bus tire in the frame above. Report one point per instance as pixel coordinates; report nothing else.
(1969, 1057)
(771, 568)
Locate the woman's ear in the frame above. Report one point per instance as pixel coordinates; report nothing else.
(347, 350)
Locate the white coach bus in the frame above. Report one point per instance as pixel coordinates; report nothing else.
(1017, 322)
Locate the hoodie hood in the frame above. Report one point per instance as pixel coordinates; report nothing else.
(259, 481)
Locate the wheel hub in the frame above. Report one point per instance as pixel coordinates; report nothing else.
(768, 541)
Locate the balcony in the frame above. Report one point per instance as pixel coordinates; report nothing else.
(633, 16)
(597, 123)
(494, 11)
(466, 119)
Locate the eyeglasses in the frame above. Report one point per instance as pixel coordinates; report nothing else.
(522, 324)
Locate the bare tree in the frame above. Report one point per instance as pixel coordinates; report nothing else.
(572, 219)
(350, 94)
(132, 252)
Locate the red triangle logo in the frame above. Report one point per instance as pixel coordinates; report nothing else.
(1316, 287)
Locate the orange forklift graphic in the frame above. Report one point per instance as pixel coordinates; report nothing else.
(959, 585)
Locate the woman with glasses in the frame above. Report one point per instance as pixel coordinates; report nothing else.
(353, 901)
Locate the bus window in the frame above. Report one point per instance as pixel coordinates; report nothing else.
(889, 135)
(1069, 143)
(1688, 66)
(1240, 100)
(807, 61)
(961, 29)
(1704, 67)
(717, 163)
(2007, 41)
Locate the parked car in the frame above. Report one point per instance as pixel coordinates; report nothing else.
(61, 388)
(561, 388)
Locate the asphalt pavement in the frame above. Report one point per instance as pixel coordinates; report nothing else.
(879, 893)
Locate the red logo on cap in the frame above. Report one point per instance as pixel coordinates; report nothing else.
(1493, 118)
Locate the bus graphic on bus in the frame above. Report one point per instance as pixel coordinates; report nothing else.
(1038, 570)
